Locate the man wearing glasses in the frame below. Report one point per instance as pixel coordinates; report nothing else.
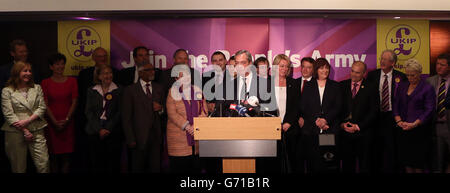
(387, 79)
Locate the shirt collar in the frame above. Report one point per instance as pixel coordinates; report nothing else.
(446, 77)
(99, 89)
(359, 82)
(307, 79)
(143, 83)
(248, 77)
(389, 74)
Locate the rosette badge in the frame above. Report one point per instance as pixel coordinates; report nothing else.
(109, 96)
(397, 80)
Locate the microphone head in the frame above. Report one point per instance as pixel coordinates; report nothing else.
(241, 110)
(253, 101)
(233, 107)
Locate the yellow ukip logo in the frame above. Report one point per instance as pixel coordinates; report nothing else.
(81, 42)
(404, 40)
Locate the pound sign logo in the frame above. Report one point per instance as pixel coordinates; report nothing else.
(404, 40)
(81, 42)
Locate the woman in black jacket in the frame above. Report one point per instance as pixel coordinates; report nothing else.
(103, 122)
(320, 105)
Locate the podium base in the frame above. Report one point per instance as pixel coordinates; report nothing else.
(239, 165)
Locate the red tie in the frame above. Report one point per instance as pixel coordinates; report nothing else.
(303, 85)
(147, 89)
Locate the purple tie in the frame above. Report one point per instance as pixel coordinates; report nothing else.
(385, 95)
(354, 91)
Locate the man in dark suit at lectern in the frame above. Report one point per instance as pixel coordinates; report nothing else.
(239, 91)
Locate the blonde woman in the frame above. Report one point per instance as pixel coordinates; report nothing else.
(287, 92)
(183, 104)
(413, 110)
(24, 108)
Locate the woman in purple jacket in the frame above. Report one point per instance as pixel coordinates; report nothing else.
(413, 110)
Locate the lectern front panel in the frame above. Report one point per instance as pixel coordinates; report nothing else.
(238, 148)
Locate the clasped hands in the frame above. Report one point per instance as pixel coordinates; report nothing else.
(406, 125)
(350, 129)
(21, 125)
(321, 123)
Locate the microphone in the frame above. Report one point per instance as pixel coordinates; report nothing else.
(240, 109)
(253, 104)
(253, 101)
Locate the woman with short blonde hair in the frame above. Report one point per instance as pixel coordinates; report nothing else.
(413, 110)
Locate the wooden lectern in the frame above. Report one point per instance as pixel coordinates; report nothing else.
(238, 140)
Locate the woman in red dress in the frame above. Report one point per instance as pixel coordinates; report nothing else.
(60, 94)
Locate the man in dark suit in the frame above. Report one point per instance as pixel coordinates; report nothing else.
(307, 69)
(238, 90)
(386, 79)
(212, 78)
(166, 79)
(360, 108)
(19, 52)
(441, 132)
(245, 85)
(141, 120)
(128, 76)
(86, 80)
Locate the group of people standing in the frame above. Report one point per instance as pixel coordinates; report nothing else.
(386, 121)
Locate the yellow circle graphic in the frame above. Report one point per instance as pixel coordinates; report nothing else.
(404, 40)
(81, 42)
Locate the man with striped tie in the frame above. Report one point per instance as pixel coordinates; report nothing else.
(441, 134)
(387, 79)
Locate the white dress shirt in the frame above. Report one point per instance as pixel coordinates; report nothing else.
(248, 81)
(143, 83)
(321, 91)
(99, 89)
(303, 79)
(136, 74)
(280, 94)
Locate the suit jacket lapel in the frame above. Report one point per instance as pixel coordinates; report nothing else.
(143, 96)
(378, 74)
(16, 94)
(316, 96)
(361, 87)
(436, 82)
(31, 97)
(325, 93)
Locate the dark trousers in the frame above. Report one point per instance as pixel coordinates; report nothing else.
(81, 155)
(385, 157)
(292, 149)
(440, 147)
(355, 151)
(184, 164)
(146, 159)
(313, 155)
(105, 154)
(211, 165)
(4, 163)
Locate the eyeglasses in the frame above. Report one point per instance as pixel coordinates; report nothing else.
(148, 69)
(410, 75)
